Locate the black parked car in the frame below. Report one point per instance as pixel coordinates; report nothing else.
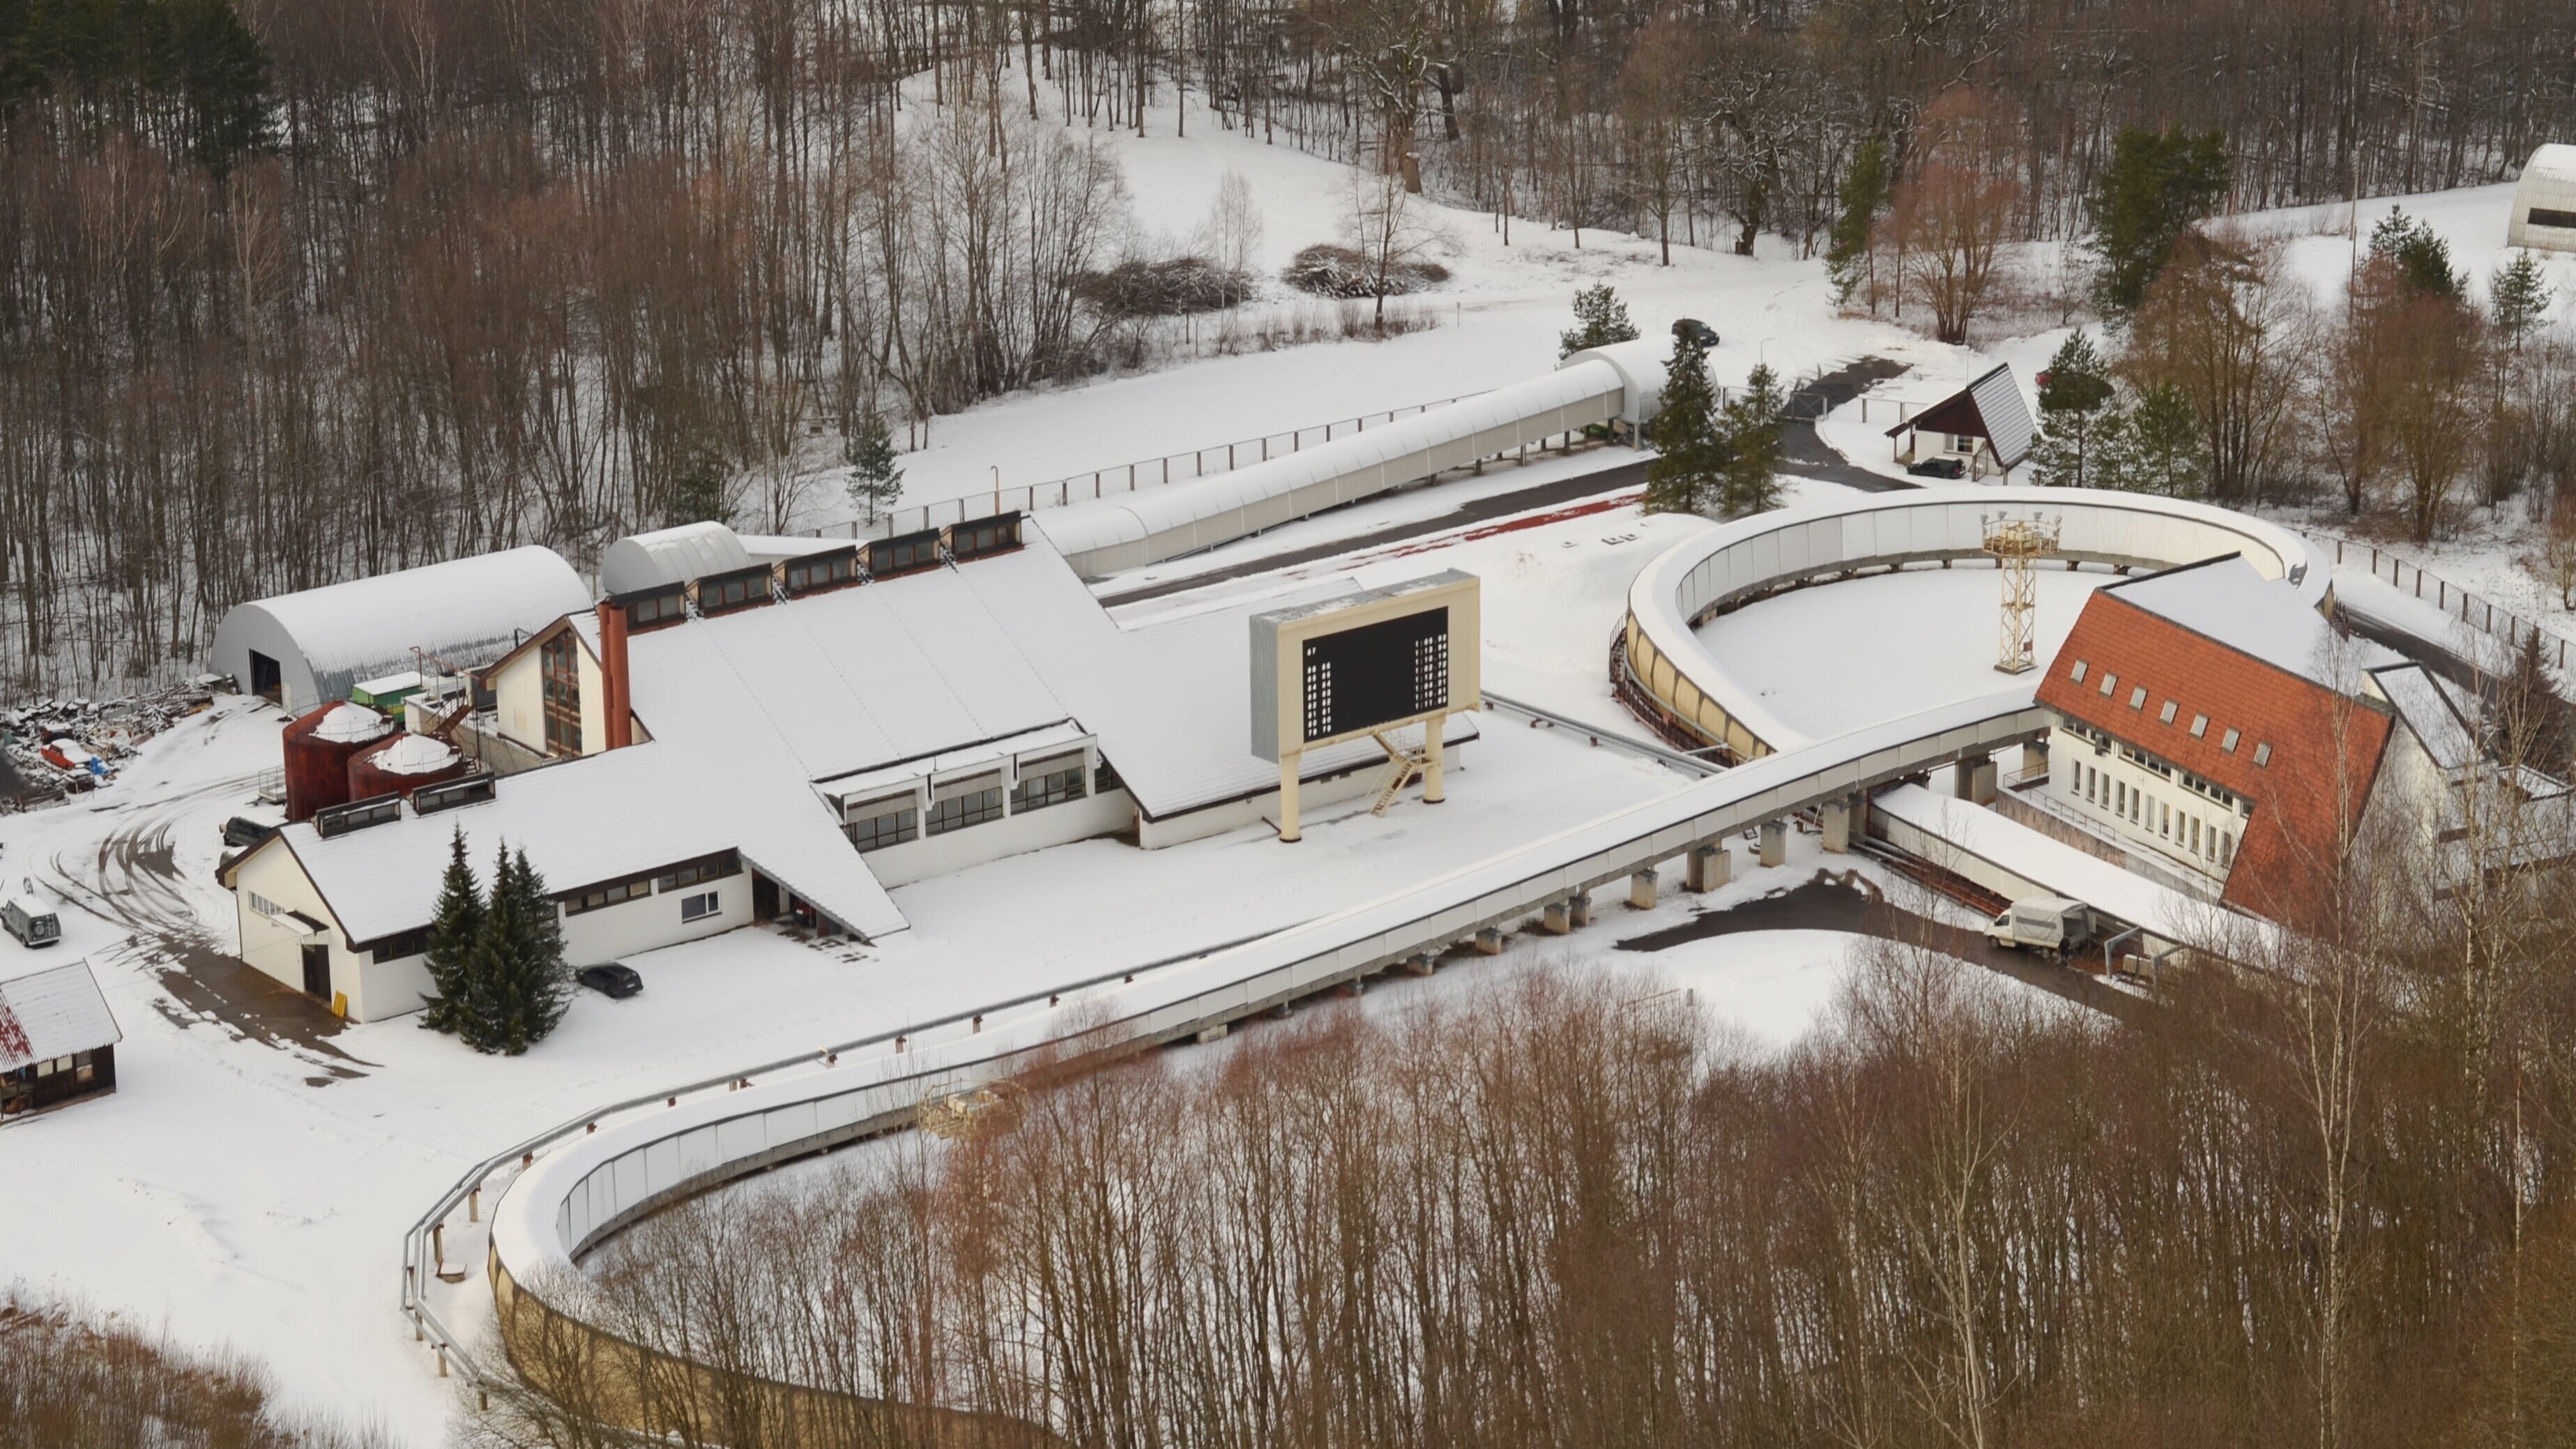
(1939, 468)
(241, 832)
(611, 979)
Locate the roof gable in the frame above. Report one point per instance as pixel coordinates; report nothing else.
(2306, 755)
(1990, 408)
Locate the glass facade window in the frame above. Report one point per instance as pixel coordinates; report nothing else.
(975, 807)
(559, 664)
(1036, 792)
(893, 827)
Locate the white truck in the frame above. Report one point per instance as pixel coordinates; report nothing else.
(2044, 923)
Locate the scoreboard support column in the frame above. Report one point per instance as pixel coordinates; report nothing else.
(1288, 832)
(1432, 752)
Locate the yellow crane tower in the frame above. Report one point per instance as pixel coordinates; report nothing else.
(2015, 544)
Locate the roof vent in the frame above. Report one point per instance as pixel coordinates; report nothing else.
(734, 589)
(434, 798)
(653, 608)
(905, 553)
(814, 572)
(339, 820)
(982, 536)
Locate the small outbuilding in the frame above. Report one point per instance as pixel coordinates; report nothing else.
(57, 1040)
(2544, 202)
(314, 647)
(1985, 424)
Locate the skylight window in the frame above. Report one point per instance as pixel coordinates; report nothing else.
(2199, 725)
(2166, 715)
(2229, 743)
(2138, 697)
(2078, 674)
(2107, 681)
(2262, 754)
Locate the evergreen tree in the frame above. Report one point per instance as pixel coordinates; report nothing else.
(1689, 452)
(540, 983)
(876, 480)
(2073, 404)
(1864, 192)
(2155, 187)
(2154, 446)
(698, 493)
(1600, 319)
(2534, 717)
(452, 933)
(1749, 427)
(2422, 258)
(2519, 296)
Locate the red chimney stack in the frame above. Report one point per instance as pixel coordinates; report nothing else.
(620, 704)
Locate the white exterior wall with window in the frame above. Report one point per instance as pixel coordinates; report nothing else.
(2147, 803)
(666, 912)
(272, 883)
(935, 816)
(519, 699)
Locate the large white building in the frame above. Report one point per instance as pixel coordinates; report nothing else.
(2544, 202)
(792, 739)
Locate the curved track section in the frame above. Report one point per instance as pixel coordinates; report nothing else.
(579, 1184)
(1727, 568)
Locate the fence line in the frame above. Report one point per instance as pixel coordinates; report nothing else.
(2481, 614)
(1116, 478)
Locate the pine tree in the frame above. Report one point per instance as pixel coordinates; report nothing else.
(1864, 192)
(452, 934)
(876, 480)
(482, 1012)
(2422, 258)
(2519, 296)
(2154, 446)
(2073, 404)
(1750, 428)
(698, 493)
(519, 962)
(1600, 318)
(2156, 185)
(2534, 716)
(1688, 451)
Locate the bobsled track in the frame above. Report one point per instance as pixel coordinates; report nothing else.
(603, 1170)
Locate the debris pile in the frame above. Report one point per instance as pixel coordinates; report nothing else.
(55, 748)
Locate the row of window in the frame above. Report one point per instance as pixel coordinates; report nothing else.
(80, 1066)
(973, 807)
(696, 872)
(2187, 832)
(2199, 722)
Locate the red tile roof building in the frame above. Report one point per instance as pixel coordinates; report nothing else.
(2204, 717)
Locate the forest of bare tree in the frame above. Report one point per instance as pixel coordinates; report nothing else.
(297, 290)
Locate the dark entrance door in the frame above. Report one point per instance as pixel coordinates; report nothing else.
(265, 677)
(317, 972)
(764, 898)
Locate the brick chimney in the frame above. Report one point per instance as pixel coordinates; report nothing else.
(619, 706)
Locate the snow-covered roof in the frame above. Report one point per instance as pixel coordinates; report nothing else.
(2425, 705)
(2224, 599)
(670, 556)
(1990, 408)
(835, 686)
(2544, 201)
(350, 724)
(586, 821)
(468, 611)
(1644, 365)
(53, 1013)
(1153, 511)
(413, 755)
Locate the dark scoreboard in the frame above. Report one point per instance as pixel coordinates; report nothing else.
(1359, 678)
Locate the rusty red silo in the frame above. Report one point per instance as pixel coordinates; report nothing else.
(319, 746)
(402, 764)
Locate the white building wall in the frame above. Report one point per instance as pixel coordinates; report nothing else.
(2145, 811)
(519, 701)
(275, 944)
(648, 923)
(933, 855)
(2549, 185)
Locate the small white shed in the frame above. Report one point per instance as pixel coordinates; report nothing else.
(2544, 203)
